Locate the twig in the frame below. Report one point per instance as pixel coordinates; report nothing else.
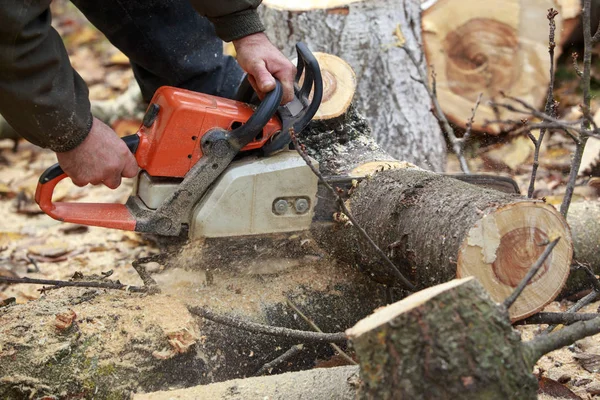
(509, 301)
(59, 284)
(303, 336)
(317, 329)
(34, 263)
(544, 344)
(550, 108)
(584, 301)
(301, 150)
(292, 351)
(588, 43)
(556, 318)
(149, 282)
(470, 121)
(578, 71)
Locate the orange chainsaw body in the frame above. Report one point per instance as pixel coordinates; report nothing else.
(170, 144)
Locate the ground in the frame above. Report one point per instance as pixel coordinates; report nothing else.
(34, 245)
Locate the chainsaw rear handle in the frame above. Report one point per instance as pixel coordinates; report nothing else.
(109, 215)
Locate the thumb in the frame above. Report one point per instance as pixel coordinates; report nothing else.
(263, 78)
(131, 167)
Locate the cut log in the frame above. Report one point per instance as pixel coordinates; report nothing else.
(448, 341)
(435, 228)
(488, 47)
(584, 220)
(340, 383)
(397, 107)
(451, 342)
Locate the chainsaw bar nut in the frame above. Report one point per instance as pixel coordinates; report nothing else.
(280, 206)
(301, 206)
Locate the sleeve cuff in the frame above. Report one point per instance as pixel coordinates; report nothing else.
(73, 139)
(236, 26)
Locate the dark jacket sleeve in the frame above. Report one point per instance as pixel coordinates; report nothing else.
(41, 96)
(233, 19)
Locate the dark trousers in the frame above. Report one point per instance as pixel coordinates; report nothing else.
(167, 43)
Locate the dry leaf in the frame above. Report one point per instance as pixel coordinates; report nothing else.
(510, 156)
(118, 58)
(556, 390)
(51, 249)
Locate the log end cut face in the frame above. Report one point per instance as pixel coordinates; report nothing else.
(502, 246)
(386, 314)
(488, 47)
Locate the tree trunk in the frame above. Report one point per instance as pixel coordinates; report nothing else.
(488, 47)
(447, 342)
(397, 107)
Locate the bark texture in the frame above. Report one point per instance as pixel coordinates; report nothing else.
(338, 383)
(397, 107)
(431, 226)
(447, 342)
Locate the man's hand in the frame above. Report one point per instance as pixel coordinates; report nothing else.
(262, 61)
(101, 158)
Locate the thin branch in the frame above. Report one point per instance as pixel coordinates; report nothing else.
(585, 108)
(303, 336)
(457, 144)
(470, 121)
(60, 284)
(550, 108)
(509, 301)
(578, 71)
(317, 329)
(300, 149)
(584, 301)
(590, 274)
(544, 344)
(292, 351)
(555, 318)
(149, 282)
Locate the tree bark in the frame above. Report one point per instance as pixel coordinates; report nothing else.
(338, 383)
(433, 227)
(397, 107)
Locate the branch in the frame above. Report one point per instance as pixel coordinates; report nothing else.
(509, 301)
(303, 336)
(317, 329)
(544, 344)
(60, 284)
(555, 318)
(396, 272)
(292, 351)
(550, 103)
(457, 144)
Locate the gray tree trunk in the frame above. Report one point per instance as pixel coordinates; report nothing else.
(362, 33)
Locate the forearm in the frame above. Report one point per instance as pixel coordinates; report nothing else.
(41, 96)
(233, 19)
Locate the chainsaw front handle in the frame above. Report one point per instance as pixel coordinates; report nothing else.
(108, 215)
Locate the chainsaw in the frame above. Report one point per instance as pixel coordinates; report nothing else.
(215, 167)
(211, 167)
